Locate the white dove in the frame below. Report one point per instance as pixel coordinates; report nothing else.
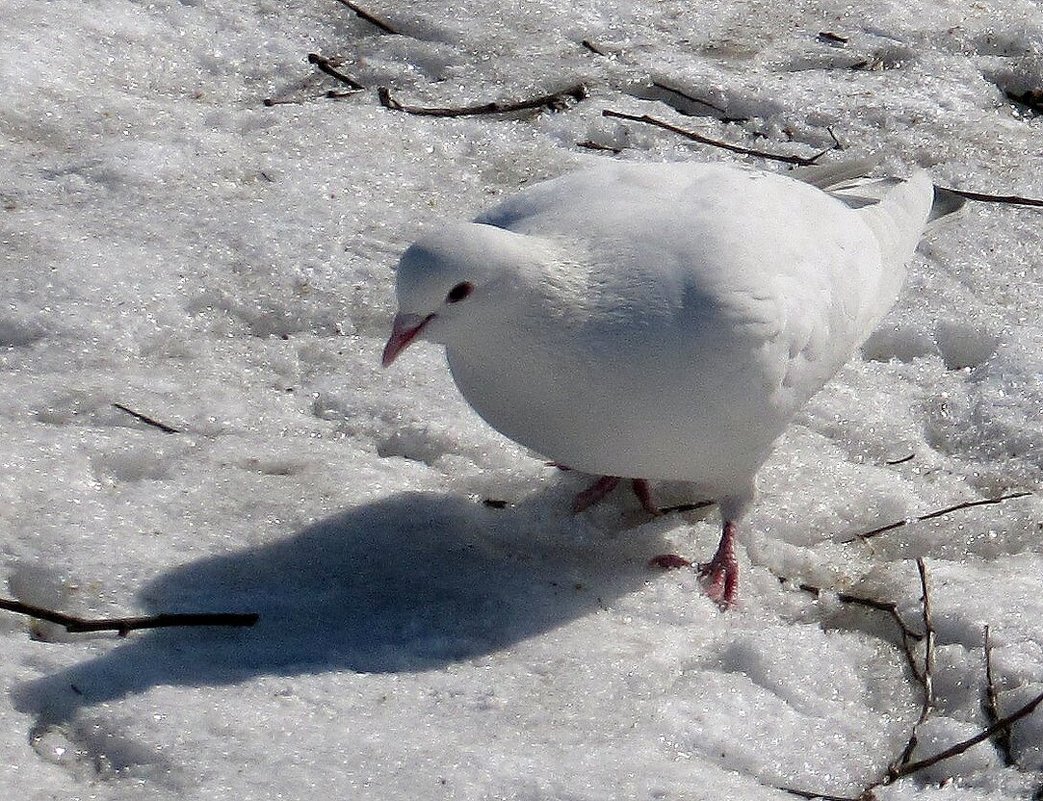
(660, 321)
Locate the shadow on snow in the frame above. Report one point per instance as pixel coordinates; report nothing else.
(407, 583)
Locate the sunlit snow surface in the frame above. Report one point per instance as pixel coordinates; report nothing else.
(171, 244)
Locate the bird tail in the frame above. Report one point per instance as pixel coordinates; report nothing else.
(946, 204)
(899, 217)
(834, 173)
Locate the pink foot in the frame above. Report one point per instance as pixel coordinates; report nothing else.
(597, 491)
(721, 574)
(594, 493)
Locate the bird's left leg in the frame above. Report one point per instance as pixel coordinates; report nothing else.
(594, 493)
(721, 573)
(644, 495)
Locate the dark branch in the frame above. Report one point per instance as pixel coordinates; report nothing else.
(327, 66)
(938, 513)
(147, 420)
(990, 706)
(824, 796)
(1013, 200)
(372, 19)
(696, 137)
(694, 99)
(590, 144)
(832, 38)
(686, 507)
(593, 48)
(126, 624)
(926, 676)
(555, 101)
(890, 608)
(970, 742)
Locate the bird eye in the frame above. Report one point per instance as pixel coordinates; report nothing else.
(459, 292)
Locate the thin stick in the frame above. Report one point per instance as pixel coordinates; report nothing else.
(372, 19)
(593, 48)
(824, 796)
(903, 460)
(833, 38)
(147, 420)
(590, 144)
(1013, 200)
(555, 101)
(325, 65)
(126, 624)
(990, 704)
(694, 99)
(938, 513)
(686, 507)
(926, 676)
(696, 137)
(909, 637)
(970, 742)
(282, 101)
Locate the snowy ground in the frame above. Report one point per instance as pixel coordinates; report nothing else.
(171, 244)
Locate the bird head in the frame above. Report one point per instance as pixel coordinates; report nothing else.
(452, 278)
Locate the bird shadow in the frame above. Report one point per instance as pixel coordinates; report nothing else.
(407, 583)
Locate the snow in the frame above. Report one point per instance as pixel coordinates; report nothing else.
(171, 244)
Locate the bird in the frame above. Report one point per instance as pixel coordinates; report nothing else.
(663, 321)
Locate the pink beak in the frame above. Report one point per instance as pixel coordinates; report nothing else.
(404, 329)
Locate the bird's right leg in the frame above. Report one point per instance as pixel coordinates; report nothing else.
(604, 485)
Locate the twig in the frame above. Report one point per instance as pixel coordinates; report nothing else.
(372, 19)
(813, 795)
(903, 460)
(902, 766)
(970, 742)
(147, 420)
(931, 515)
(955, 750)
(991, 708)
(686, 507)
(127, 624)
(593, 48)
(694, 99)
(1013, 200)
(333, 94)
(873, 64)
(555, 101)
(696, 137)
(926, 676)
(282, 101)
(327, 66)
(909, 637)
(832, 38)
(590, 144)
